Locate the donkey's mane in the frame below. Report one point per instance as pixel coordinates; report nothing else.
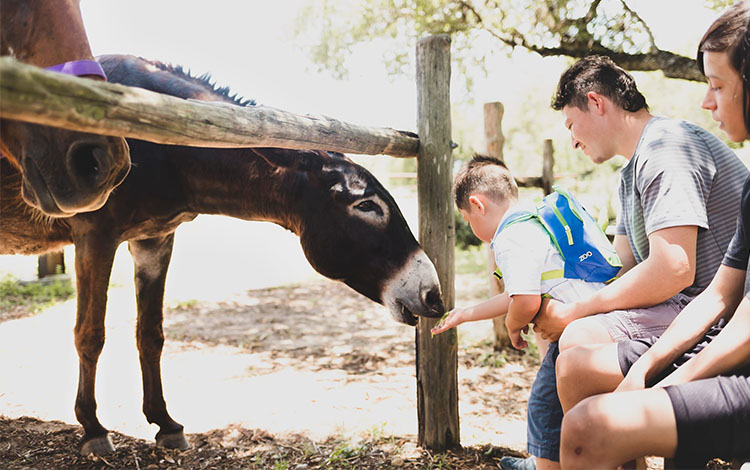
(203, 80)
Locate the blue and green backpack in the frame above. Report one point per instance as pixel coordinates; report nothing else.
(584, 247)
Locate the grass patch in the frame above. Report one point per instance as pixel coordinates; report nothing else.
(33, 296)
(472, 260)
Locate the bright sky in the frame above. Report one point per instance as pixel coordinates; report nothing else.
(247, 45)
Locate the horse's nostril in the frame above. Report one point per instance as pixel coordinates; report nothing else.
(85, 162)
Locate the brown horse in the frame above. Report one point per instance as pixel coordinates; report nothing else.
(64, 172)
(349, 226)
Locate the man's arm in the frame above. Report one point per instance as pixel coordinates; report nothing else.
(720, 299)
(625, 252)
(727, 352)
(669, 268)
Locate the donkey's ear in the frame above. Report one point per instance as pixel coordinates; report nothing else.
(303, 160)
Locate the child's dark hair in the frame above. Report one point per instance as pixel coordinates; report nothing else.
(601, 75)
(483, 175)
(730, 33)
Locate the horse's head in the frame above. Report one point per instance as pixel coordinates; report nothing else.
(353, 231)
(64, 172)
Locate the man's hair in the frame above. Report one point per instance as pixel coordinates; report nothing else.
(483, 175)
(601, 75)
(730, 33)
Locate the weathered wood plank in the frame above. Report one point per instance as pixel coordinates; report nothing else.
(34, 95)
(437, 360)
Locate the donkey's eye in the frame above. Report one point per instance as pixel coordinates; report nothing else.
(369, 206)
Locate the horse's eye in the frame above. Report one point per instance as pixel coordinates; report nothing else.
(369, 206)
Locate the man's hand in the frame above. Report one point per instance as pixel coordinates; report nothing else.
(552, 318)
(635, 380)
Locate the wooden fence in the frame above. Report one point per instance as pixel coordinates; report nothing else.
(33, 95)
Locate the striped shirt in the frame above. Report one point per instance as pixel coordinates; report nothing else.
(680, 174)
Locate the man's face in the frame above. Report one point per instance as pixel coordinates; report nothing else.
(587, 131)
(724, 95)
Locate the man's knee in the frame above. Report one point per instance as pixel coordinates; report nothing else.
(584, 331)
(583, 431)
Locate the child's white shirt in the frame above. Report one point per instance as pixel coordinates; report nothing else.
(524, 250)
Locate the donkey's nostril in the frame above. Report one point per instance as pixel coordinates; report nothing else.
(431, 297)
(85, 162)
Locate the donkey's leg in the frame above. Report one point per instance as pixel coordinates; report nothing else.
(151, 258)
(94, 256)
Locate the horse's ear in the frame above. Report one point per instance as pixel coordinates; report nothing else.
(303, 160)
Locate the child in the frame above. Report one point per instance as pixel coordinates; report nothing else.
(486, 194)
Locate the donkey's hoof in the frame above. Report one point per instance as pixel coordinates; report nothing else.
(98, 446)
(175, 440)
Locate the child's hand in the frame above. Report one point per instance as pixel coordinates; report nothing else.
(515, 333)
(451, 321)
(516, 339)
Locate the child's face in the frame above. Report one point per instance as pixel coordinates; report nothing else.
(480, 224)
(724, 95)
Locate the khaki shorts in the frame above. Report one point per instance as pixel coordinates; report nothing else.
(643, 322)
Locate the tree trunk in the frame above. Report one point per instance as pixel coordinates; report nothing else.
(493, 136)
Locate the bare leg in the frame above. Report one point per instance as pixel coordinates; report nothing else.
(541, 344)
(544, 464)
(585, 371)
(608, 430)
(151, 258)
(584, 332)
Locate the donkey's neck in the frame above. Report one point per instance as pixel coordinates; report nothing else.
(238, 183)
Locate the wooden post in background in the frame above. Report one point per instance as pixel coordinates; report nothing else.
(437, 358)
(47, 264)
(548, 167)
(493, 136)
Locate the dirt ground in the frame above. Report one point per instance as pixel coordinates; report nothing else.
(306, 376)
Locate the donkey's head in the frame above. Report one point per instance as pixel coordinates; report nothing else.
(352, 230)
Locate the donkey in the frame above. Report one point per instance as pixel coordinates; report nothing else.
(64, 172)
(350, 229)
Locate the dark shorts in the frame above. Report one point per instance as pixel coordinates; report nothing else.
(712, 415)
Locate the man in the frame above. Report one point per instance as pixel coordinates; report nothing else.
(680, 194)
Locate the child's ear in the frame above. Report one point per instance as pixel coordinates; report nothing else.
(477, 203)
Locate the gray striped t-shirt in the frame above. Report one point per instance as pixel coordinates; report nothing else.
(681, 174)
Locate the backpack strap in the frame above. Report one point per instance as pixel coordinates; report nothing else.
(522, 216)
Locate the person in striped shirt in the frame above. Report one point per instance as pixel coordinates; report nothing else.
(685, 394)
(679, 192)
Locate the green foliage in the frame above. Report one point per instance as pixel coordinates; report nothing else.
(332, 30)
(34, 296)
(464, 235)
(472, 260)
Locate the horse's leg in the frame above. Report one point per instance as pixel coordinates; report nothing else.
(94, 256)
(151, 258)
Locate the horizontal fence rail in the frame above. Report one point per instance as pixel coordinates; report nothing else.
(31, 94)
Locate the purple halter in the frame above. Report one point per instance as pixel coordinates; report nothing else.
(77, 68)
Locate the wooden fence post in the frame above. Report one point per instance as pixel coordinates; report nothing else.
(437, 359)
(548, 167)
(47, 264)
(493, 136)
